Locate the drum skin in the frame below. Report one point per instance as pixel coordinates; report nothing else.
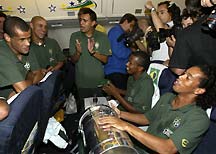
(97, 141)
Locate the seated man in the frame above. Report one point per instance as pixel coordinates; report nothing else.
(140, 89)
(4, 108)
(46, 50)
(178, 122)
(16, 65)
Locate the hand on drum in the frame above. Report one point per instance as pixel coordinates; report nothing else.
(109, 122)
(117, 111)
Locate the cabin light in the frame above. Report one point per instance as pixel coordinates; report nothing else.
(114, 22)
(57, 25)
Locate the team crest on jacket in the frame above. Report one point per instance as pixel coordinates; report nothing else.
(176, 122)
(167, 132)
(96, 45)
(27, 66)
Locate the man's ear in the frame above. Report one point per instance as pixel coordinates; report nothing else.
(7, 37)
(141, 68)
(199, 91)
(31, 25)
(94, 23)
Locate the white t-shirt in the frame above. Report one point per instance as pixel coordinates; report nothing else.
(162, 53)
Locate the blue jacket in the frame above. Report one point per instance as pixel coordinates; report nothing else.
(120, 53)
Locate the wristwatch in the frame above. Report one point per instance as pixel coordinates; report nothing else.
(153, 9)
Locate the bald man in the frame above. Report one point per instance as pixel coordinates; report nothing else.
(47, 50)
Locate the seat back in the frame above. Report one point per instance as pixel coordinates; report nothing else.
(69, 76)
(208, 143)
(24, 117)
(53, 95)
(53, 90)
(155, 71)
(162, 76)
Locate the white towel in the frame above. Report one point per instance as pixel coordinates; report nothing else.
(52, 133)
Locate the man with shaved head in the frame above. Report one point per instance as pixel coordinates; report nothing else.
(47, 50)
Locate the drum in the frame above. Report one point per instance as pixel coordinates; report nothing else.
(97, 141)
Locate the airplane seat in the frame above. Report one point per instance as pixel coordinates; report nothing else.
(162, 77)
(208, 143)
(20, 131)
(69, 73)
(53, 89)
(54, 97)
(69, 77)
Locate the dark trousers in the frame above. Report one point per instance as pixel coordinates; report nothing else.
(118, 79)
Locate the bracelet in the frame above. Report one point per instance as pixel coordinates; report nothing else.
(211, 2)
(93, 53)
